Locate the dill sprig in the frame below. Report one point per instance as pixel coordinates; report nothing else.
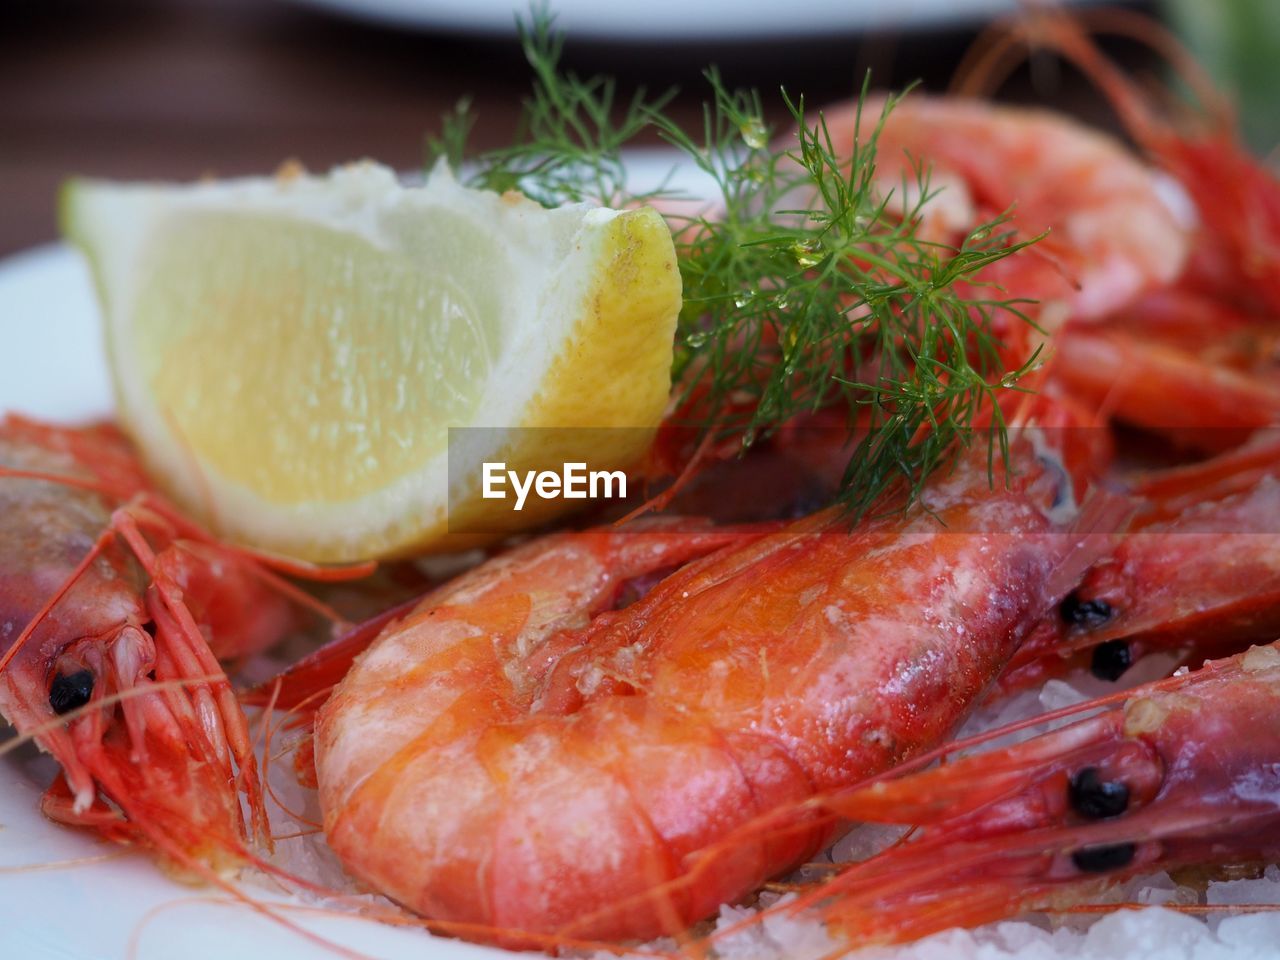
(808, 286)
(568, 146)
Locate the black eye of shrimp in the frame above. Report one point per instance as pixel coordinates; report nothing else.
(1085, 613)
(1111, 660)
(1102, 859)
(1095, 798)
(69, 691)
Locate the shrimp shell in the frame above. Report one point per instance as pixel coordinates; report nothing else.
(512, 757)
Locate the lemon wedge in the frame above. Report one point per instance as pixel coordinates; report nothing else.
(293, 354)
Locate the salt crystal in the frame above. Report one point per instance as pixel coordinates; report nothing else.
(1264, 889)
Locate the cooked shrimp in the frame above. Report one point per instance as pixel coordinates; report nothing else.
(1108, 235)
(1113, 254)
(1190, 360)
(504, 758)
(1236, 196)
(1192, 401)
(1198, 570)
(108, 605)
(1178, 363)
(1183, 773)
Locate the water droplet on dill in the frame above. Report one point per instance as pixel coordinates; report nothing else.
(807, 253)
(754, 133)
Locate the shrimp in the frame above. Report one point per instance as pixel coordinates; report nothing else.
(1109, 273)
(1109, 246)
(1236, 197)
(1183, 773)
(1107, 234)
(1123, 356)
(1196, 403)
(1179, 363)
(1234, 267)
(504, 760)
(1198, 569)
(109, 606)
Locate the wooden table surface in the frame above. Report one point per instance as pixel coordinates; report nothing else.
(182, 88)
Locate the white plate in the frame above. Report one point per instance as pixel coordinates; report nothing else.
(655, 20)
(52, 365)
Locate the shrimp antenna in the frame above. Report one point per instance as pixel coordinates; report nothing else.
(1003, 46)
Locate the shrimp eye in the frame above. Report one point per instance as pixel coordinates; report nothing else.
(69, 691)
(1111, 660)
(1102, 859)
(1095, 798)
(1085, 613)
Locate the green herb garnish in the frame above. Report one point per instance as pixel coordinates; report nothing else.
(802, 276)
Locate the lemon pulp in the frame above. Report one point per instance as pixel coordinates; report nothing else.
(330, 369)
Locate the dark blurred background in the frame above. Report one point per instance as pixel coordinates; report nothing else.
(181, 88)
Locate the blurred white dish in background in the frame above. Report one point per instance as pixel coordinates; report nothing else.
(658, 20)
